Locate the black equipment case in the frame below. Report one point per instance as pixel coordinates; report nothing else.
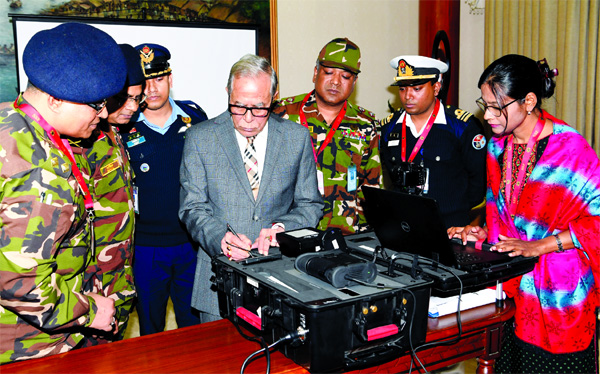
(348, 328)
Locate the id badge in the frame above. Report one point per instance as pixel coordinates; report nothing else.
(320, 183)
(136, 201)
(352, 178)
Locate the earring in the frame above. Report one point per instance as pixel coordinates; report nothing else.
(529, 112)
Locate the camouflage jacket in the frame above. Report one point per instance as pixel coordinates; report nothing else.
(44, 244)
(110, 273)
(355, 143)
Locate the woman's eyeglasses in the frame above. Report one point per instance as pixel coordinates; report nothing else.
(496, 112)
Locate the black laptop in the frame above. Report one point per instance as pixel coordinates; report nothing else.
(413, 224)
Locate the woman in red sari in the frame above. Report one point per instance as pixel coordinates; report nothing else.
(543, 200)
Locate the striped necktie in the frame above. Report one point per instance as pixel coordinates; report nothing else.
(251, 165)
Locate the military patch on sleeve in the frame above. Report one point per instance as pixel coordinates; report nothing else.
(479, 141)
(107, 169)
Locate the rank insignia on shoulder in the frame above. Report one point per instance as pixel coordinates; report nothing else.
(462, 115)
(387, 119)
(186, 119)
(54, 162)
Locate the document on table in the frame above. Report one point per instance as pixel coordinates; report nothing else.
(440, 306)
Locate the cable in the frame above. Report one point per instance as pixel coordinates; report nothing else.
(458, 318)
(258, 339)
(299, 334)
(458, 321)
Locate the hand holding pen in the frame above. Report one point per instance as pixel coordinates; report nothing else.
(235, 247)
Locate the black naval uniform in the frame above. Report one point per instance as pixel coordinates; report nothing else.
(453, 152)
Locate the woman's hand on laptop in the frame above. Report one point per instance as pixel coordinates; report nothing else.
(468, 233)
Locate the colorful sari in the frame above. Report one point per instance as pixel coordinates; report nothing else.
(556, 301)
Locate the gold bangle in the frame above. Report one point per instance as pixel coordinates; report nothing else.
(559, 244)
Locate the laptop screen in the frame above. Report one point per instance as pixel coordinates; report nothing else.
(408, 223)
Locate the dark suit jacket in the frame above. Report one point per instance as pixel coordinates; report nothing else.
(215, 190)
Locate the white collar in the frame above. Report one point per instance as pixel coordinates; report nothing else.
(440, 119)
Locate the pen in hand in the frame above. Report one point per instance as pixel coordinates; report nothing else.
(231, 230)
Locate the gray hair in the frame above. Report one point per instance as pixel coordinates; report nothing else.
(251, 66)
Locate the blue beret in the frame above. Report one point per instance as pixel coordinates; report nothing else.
(155, 60)
(75, 62)
(135, 74)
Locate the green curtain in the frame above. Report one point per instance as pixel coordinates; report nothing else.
(566, 33)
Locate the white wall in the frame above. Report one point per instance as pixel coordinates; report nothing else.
(472, 29)
(383, 29)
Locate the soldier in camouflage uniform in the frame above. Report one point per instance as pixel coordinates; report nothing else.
(110, 273)
(46, 209)
(344, 136)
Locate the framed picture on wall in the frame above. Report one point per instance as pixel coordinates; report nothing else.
(204, 37)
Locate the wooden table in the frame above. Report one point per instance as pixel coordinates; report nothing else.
(217, 347)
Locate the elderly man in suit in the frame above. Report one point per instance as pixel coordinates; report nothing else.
(248, 169)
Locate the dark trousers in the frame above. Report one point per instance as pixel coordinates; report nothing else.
(160, 273)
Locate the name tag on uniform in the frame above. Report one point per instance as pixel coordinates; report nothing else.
(134, 139)
(320, 183)
(352, 178)
(105, 170)
(136, 202)
(394, 143)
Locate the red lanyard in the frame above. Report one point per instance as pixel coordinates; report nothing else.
(421, 140)
(64, 146)
(512, 202)
(332, 130)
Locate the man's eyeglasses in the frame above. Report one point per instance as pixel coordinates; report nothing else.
(121, 100)
(496, 112)
(239, 110)
(98, 106)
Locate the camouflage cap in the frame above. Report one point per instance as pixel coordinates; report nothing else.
(341, 53)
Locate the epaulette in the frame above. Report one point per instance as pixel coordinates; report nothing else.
(290, 100)
(386, 120)
(360, 109)
(461, 114)
(194, 111)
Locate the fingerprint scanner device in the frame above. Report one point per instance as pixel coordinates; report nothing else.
(296, 242)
